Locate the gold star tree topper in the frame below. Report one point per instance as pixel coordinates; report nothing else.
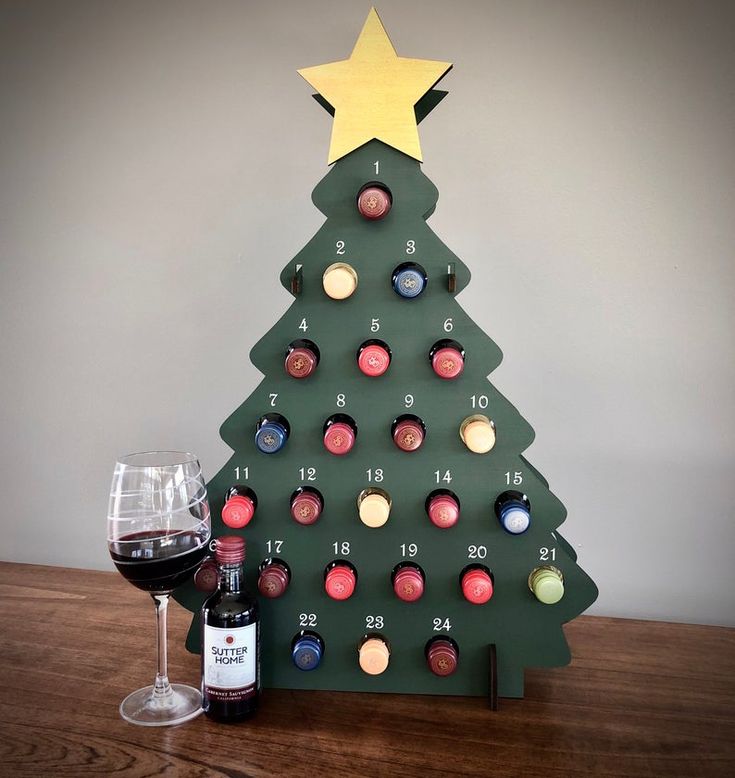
(374, 92)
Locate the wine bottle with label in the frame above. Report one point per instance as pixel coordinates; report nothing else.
(230, 640)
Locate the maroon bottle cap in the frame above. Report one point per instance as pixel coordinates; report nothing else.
(340, 582)
(408, 584)
(408, 435)
(373, 360)
(205, 578)
(238, 511)
(443, 511)
(229, 549)
(306, 508)
(477, 586)
(273, 580)
(447, 363)
(373, 202)
(300, 362)
(339, 438)
(442, 658)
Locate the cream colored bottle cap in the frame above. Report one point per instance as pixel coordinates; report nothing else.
(339, 281)
(374, 656)
(478, 434)
(374, 510)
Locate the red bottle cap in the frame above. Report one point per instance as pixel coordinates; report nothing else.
(273, 581)
(477, 586)
(238, 511)
(408, 584)
(339, 438)
(373, 360)
(408, 435)
(229, 549)
(300, 363)
(443, 511)
(447, 362)
(306, 508)
(205, 578)
(442, 658)
(339, 582)
(373, 202)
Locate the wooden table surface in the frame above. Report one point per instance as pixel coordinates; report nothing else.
(641, 698)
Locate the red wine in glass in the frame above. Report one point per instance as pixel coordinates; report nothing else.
(158, 560)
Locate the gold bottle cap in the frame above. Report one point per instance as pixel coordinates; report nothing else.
(374, 656)
(339, 281)
(374, 506)
(478, 433)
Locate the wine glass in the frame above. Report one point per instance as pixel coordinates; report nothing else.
(158, 531)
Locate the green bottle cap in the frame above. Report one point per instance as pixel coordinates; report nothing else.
(547, 584)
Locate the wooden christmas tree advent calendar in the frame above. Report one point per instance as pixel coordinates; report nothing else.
(398, 537)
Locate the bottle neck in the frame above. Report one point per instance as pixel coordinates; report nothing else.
(231, 577)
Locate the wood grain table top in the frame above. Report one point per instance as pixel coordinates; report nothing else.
(640, 698)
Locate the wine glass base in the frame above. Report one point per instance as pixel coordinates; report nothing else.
(183, 704)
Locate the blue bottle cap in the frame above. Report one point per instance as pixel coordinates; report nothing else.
(307, 653)
(515, 518)
(409, 282)
(270, 437)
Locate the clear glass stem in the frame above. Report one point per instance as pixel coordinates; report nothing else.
(162, 691)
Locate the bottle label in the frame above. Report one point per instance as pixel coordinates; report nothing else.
(230, 663)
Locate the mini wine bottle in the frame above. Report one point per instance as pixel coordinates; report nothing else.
(340, 579)
(307, 650)
(373, 653)
(408, 432)
(373, 357)
(442, 655)
(408, 580)
(409, 280)
(374, 201)
(274, 576)
(230, 640)
(302, 358)
(239, 506)
(477, 584)
(447, 358)
(442, 508)
(271, 433)
(340, 433)
(306, 504)
(513, 511)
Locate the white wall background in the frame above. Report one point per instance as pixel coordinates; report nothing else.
(156, 165)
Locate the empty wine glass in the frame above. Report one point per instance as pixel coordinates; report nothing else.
(158, 531)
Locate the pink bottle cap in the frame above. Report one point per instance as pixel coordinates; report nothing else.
(447, 363)
(442, 658)
(477, 586)
(373, 360)
(339, 438)
(339, 582)
(300, 363)
(373, 202)
(443, 511)
(205, 578)
(273, 581)
(306, 508)
(408, 584)
(408, 435)
(238, 511)
(229, 549)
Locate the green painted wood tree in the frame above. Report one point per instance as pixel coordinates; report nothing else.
(502, 544)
